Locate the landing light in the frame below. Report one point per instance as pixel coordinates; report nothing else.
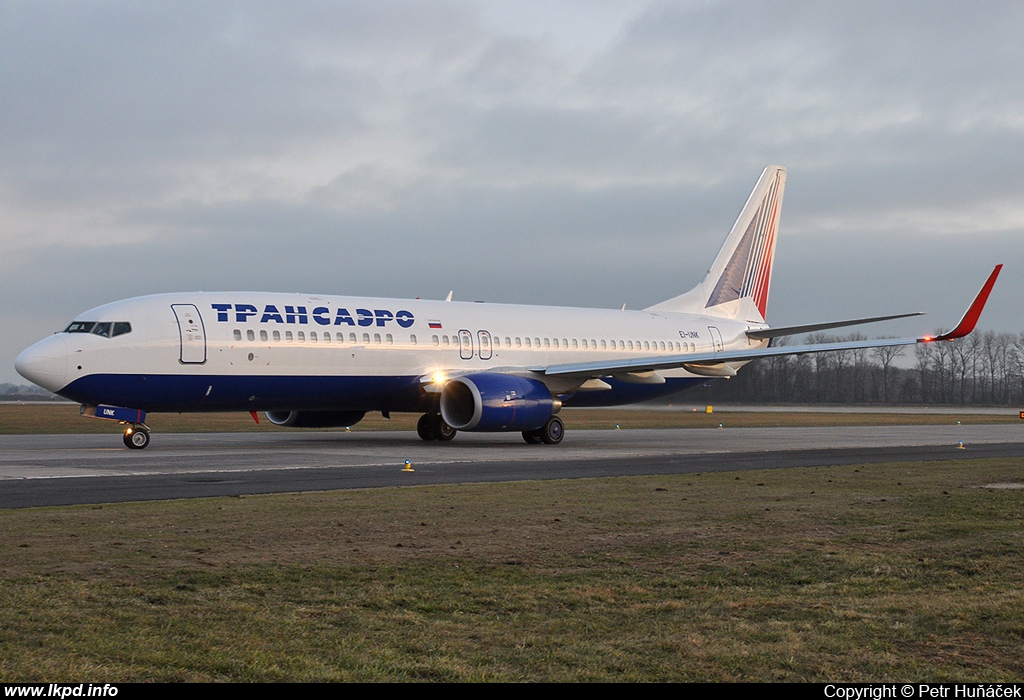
(438, 378)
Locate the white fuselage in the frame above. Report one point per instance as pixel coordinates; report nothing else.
(234, 351)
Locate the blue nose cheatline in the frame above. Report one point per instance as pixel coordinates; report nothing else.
(45, 363)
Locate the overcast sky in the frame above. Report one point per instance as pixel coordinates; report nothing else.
(584, 153)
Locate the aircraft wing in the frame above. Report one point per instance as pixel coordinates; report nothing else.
(713, 363)
(699, 359)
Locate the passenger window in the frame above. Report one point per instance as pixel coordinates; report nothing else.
(312, 336)
(277, 336)
(352, 338)
(300, 336)
(434, 339)
(547, 342)
(288, 336)
(327, 336)
(250, 335)
(341, 337)
(412, 339)
(366, 338)
(238, 334)
(263, 336)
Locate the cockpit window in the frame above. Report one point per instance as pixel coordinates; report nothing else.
(106, 329)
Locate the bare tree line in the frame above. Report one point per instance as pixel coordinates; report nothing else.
(985, 368)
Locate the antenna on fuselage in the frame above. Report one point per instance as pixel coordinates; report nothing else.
(449, 297)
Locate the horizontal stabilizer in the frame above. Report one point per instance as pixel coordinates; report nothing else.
(815, 327)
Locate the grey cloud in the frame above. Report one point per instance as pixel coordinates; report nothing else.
(407, 148)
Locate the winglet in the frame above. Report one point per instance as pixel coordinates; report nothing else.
(970, 318)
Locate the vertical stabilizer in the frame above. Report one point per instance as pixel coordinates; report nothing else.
(737, 284)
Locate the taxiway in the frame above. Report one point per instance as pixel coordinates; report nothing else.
(41, 470)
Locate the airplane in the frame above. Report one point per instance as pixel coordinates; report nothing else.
(310, 361)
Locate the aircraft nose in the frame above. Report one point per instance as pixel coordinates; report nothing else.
(45, 363)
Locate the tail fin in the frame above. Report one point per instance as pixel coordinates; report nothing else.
(737, 284)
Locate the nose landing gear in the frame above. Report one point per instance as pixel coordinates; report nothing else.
(136, 436)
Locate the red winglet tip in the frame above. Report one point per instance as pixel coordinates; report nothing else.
(970, 319)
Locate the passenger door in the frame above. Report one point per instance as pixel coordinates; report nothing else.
(192, 334)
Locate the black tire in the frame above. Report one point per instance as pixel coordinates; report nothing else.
(553, 431)
(443, 431)
(136, 438)
(425, 427)
(532, 437)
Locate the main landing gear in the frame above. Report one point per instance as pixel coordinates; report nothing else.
(551, 433)
(136, 436)
(431, 426)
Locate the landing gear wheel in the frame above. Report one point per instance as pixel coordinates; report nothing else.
(443, 431)
(553, 431)
(425, 427)
(136, 438)
(431, 426)
(532, 437)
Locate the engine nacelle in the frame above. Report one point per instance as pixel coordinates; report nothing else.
(496, 402)
(315, 419)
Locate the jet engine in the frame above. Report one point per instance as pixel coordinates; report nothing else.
(315, 419)
(496, 402)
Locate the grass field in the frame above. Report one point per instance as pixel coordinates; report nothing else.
(872, 573)
(885, 572)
